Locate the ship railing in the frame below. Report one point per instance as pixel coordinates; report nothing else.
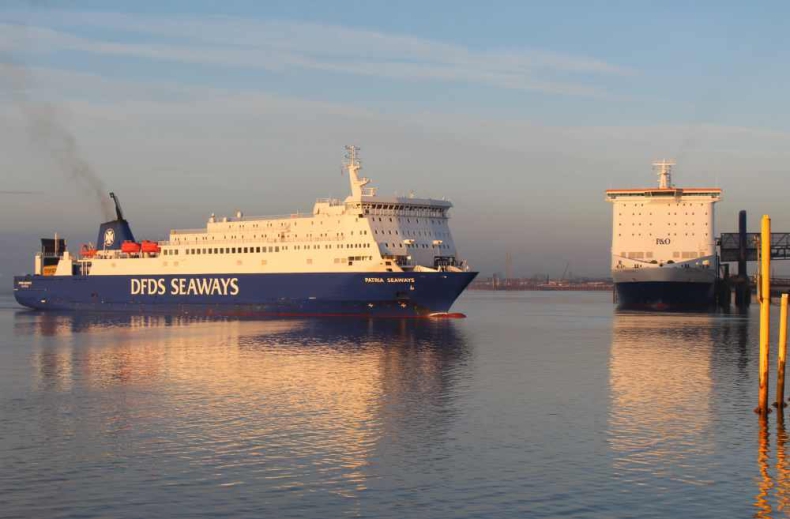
(117, 254)
(330, 201)
(188, 231)
(253, 241)
(268, 217)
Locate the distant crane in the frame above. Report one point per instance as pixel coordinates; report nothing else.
(565, 272)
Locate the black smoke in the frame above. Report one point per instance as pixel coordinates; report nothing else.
(49, 134)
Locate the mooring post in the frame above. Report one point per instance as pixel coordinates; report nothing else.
(742, 245)
(765, 312)
(743, 290)
(781, 355)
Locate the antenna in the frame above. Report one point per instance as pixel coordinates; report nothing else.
(664, 172)
(351, 155)
(353, 165)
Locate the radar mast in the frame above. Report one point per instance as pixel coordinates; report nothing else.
(353, 165)
(664, 171)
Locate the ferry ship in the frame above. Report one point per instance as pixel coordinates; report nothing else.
(663, 245)
(367, 255)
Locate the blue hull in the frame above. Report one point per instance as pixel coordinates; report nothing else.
(364, 294)
(665, 295)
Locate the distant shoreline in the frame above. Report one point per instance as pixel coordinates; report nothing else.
(523, 285)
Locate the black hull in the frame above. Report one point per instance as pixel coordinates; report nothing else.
(665, 295)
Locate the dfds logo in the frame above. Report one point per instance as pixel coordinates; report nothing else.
(185, 287)
(663, 241)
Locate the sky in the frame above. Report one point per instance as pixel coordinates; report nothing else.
(522, 113)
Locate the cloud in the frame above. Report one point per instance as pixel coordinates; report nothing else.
(280, 45)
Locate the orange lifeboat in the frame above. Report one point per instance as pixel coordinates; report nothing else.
(87, 251)
(150, 247)
(130, 247)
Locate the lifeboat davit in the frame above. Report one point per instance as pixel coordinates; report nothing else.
(150, 247)
(86, 251)
(130, 247)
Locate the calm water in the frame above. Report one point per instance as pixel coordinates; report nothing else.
(537, 405)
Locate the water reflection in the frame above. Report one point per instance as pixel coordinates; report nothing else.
(782, 467)
(661, 395)
(665, 406)
(287, 406)
(765, 482)
(772, 498)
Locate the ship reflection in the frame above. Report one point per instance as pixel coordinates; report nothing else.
(287, 401)
(662, 410)
(661, 397)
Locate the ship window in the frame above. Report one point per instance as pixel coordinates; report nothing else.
(271, 249)
(277, 249)
(257, 249)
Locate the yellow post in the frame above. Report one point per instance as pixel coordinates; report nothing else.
(765, 312)
(781, 356)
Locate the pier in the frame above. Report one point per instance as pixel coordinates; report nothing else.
(742, 247)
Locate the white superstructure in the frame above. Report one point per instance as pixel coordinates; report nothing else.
(664, 233)
(363, 233)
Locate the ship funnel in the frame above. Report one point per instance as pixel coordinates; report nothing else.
(113, 233)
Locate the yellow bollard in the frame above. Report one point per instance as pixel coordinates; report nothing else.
(765, 313)
(781, 355)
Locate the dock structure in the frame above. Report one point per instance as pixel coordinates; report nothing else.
(742, 247)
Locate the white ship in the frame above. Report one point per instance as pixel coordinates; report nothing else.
(663, 244)
(364, 255)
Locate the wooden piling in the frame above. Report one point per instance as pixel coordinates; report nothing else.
(781, 355)
(765, 313)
